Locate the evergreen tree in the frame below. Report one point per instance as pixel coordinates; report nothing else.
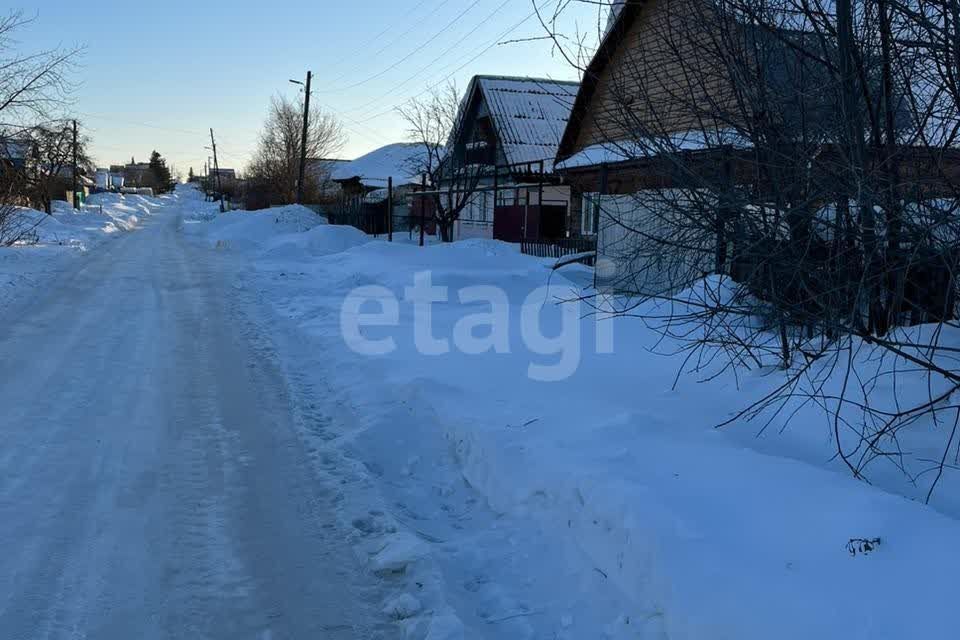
(190, 176)
(161, 173)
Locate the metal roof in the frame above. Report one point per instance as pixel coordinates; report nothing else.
(528, 114)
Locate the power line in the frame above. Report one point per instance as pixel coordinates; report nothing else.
(147, 125)
(376, 138)
(489, 46)
(434, 61)
(409, 55)
(391, 42)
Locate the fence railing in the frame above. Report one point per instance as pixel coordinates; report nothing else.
(559, 247)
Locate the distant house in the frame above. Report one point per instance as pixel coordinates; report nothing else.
(320, 172)
(363, 186)
(14, 154)
(116, 176)
(371, 172)
(15, 158)
(138, 174)
(512, 127)
(223, 175)
(102, 178)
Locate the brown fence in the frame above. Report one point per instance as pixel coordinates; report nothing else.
(559, 248)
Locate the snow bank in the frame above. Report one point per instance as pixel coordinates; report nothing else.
(319, 241)
(603, 505)
(65, 234)
(243, 230)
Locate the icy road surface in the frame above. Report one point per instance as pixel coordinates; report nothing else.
(152, 484)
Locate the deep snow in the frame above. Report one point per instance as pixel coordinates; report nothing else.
(153, 480)
(67, 235)
(603, 505)
(195, 450)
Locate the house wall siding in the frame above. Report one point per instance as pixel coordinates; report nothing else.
(662, 78)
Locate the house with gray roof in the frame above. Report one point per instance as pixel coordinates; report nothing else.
(512, 127)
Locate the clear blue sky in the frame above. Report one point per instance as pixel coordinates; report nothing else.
(157, 75)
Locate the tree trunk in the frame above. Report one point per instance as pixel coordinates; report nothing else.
(446, 230)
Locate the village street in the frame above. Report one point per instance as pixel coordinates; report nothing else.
(480, 320)
(151, 482)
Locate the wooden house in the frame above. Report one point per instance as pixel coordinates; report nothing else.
(511, 128)
(661, 111)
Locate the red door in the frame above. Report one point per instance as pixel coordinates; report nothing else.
(516, 223)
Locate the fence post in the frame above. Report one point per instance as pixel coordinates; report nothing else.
(390, 209)
(423, 205)
(526, 213)
(603, 192)
(540, 189)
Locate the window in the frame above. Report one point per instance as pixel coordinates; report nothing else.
(588, 213)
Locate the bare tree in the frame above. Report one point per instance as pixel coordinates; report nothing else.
(276, 164)
(33, 85)
(794, 166)
(51, 172)
(431, 122)
(15, 226)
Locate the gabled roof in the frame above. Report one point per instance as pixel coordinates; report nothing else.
(529, 115)
(400, 161)
(622, 15)
(14, 151)
(785, 66)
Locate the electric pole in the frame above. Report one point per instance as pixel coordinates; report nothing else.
(303, 139)
(76, 200)
(216, 168)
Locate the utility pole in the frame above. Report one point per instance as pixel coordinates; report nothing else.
(76, 201)
(216, 167)
(390, 209)
(303, 139)
(423, 205)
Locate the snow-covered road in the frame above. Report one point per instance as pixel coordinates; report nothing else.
(152, 483)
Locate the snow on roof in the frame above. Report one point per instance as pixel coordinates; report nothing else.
(377, 196)
(626, 150)
(14, 150)
(529, 115)
(399, 161)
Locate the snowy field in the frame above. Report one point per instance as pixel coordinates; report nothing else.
(522, 486)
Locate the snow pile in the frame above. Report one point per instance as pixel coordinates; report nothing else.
(319, 241)
(243, 230)
(54, 239)
(602, 504)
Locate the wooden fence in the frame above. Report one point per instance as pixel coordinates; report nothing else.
(559, 248)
